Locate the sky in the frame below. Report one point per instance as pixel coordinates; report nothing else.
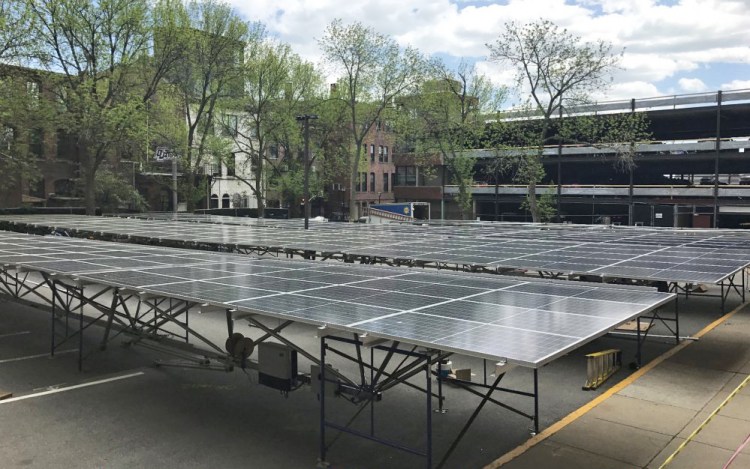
(669, 46)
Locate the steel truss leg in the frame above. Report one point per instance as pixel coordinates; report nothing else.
(275, 333)
(676, 320)
(638, 341)
(374, 381)
(743, 285)
(110, 318)
(79, 291)
(67, 302)
(732, 285)
(641, 338)
(487, 396)
(17, 287)
(424, 364)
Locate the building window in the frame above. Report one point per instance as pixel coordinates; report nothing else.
(7, 136)
(214, 203)
(393, 180)
(231, 164)
(61, 95)
(385, 154)
(36, 143)
(273, 152)
(372, 182)
(64, 187)
(372, 153)
(66, 146)
(37, 189)
(358, 185)
(230, 124)
(240, 200)
(406, 176)
(32, 90)
(225, 199)
(380, 154)
(385, 182)
(364, 182)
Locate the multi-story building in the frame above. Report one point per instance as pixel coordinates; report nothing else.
(49, 151)
(694, 171)
(230, 178)
(375, 184)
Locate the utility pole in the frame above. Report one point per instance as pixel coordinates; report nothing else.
(559, 164)
(717, 155)
(174, 183)
(306, 165)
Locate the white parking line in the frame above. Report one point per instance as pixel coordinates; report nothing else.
(41, 355)
(70, 388)
(13, 334)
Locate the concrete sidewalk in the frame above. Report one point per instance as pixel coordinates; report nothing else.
(642, 421)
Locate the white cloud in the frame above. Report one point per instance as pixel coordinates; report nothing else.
(736, 85)
(497, 73)
(662, 42)
(692, 85)
(628, 90)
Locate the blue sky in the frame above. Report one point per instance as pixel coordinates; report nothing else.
(671, 46)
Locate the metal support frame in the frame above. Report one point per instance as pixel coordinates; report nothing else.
(17, 285)
(108, 307)
(727, 285)
(641, 338)
(67, 307)
(717, 157)
(421, 362)
(366, 393)
(151, 316)
(549, 274)
(154, 322)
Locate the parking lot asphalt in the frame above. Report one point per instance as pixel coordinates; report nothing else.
(122, 411)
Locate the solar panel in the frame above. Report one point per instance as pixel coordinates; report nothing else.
(524, 321)
(567, 249)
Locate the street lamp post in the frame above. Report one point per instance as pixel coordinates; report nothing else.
(174, 184)
(306, 165)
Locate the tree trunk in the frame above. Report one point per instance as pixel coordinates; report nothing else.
(258, 188)
(353, 212)
(353, 195)
(87, 174)
(261, 206)
(496, 191)
(89, 192)
(533, 208)
(189, 192)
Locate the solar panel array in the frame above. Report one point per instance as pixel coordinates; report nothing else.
(525, 321)
(707, 256)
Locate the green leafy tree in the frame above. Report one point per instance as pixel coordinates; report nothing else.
(205, 79)
(559, 72)
(26, 117)
(374, 71)
(279, 85)
(16, 20)
(445, 118)
(545, 203)
(93, 49)
(114, 193)
(289, 185)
